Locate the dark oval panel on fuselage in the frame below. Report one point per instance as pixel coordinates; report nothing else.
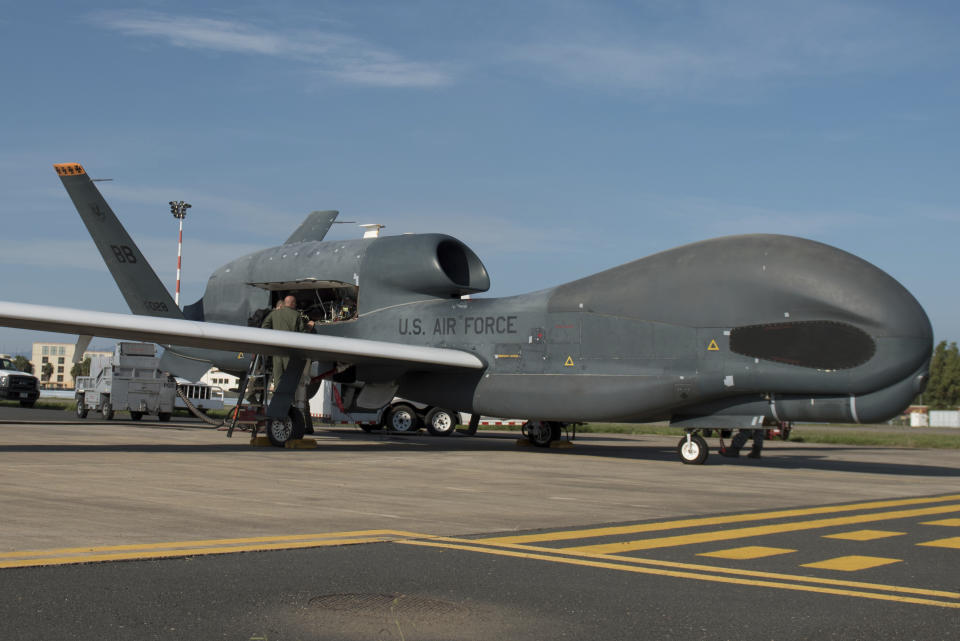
(827, 345)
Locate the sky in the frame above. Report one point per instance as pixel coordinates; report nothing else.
(556, 139)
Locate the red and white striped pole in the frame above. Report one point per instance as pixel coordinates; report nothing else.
(179, 210)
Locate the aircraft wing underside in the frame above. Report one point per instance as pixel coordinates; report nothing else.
(232, 338)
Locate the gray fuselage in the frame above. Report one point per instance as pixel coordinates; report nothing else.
(719, 331)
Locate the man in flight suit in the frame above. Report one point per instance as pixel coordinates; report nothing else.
(286, 318)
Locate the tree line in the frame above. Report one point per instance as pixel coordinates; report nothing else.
(943, 390)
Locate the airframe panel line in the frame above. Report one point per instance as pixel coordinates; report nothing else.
(683, 575)
(636, 560)
(758, 530)
(566, 535)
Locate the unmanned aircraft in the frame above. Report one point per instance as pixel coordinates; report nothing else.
(727, 333)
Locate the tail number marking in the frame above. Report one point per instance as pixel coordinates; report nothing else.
(155, 306)
(123, 253)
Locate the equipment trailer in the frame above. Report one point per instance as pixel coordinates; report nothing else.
(130, 380)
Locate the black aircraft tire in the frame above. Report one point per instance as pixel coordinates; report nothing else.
(694, 453)
(136, 416)
(291, 428)
(542, 433)
(307, 421)
(81, 408)
(440, 422)
(402, 418)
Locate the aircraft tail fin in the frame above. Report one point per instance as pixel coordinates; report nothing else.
(314, 227)
(139, 284)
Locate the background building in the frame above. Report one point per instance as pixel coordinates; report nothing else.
(220, 379)
(60, 358)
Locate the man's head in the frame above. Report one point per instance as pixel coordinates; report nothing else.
(290, 301)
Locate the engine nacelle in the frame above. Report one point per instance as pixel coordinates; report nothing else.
(402, 269)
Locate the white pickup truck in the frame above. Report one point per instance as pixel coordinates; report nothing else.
(16, 385)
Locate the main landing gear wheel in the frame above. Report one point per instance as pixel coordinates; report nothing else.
(402, 418)
(693, 450)
(542, 433)
(281, 430)
(440, 422)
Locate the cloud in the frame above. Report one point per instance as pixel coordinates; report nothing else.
(717, 217)
(243, 215)
(695, 48)
(201, 258)
(334, 55)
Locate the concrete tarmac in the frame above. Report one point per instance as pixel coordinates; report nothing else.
(106, 483)
(466, 537)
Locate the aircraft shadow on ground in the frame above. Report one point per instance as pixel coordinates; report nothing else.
(353, 440)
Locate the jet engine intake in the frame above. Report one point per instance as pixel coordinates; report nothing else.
(399, 269)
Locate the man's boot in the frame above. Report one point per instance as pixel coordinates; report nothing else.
(736, 443)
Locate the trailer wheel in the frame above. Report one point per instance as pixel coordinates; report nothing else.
(135, 416)
(106, 411)
(81, 407)
(440, 422)
(281, 430)
(542, 433)
(785, 429)
(694, 451)
(163, 417)
(402, 418)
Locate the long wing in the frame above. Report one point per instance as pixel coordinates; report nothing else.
(230, 337)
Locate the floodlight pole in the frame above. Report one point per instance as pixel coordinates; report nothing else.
(179, 210)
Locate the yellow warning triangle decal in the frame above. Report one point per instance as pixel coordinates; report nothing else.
(569, 362)
(240, 355)
(712, 347)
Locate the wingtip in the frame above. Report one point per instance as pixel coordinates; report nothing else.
(69, 169)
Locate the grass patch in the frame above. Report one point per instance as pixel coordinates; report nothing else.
(45, 404)
(882, 439)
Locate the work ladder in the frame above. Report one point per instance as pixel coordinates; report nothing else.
(256, 380)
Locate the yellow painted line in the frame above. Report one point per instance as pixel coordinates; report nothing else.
(165, 554)
(852, 563)
(713, 568)
(682, 574)
(952, 542)
(863, 535)
(759, 530)
(947, 522)
(748, 552)
(567, 535)
(62, 556)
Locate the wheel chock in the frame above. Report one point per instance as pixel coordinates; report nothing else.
(561, 445)
(260, 441)
(300, 444)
